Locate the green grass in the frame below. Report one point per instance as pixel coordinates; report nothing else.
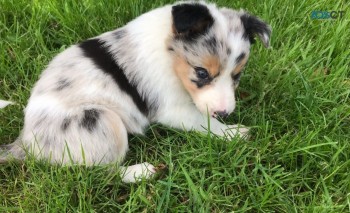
(295, 95)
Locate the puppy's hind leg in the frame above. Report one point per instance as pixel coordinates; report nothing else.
(133, 173)
(88, 135)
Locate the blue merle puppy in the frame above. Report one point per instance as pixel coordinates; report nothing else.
(178, 65)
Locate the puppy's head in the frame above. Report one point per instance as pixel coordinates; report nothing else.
(210, 48)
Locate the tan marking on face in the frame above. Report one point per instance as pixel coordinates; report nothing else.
(184, 71)
(212, 64)
(240, 66)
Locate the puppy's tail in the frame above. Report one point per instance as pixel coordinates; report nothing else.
(13, 150)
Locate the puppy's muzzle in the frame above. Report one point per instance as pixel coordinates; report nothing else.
(221, 114)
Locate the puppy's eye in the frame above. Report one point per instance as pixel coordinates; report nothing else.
(236, 77)
(201, 73)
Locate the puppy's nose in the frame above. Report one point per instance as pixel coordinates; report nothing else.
(221, 114)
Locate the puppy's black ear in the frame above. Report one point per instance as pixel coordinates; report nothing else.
(254, 26)
(191, 20)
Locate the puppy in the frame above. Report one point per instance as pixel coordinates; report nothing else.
(178, 65)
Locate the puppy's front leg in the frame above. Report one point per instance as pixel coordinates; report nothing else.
(189, 118)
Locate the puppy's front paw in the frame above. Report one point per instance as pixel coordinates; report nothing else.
(3, 104)
(137, 172)
(237, 130)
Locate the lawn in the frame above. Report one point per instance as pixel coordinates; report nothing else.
(295, 95)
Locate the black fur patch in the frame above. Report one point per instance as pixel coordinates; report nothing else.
(228, 51)
(185, 48)
(90, 119)
(119, 34)
(211, 43)
(62, 83)
(65, 124)
(191, 20)
(253, 26)
(96, 50)
(240, 58)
